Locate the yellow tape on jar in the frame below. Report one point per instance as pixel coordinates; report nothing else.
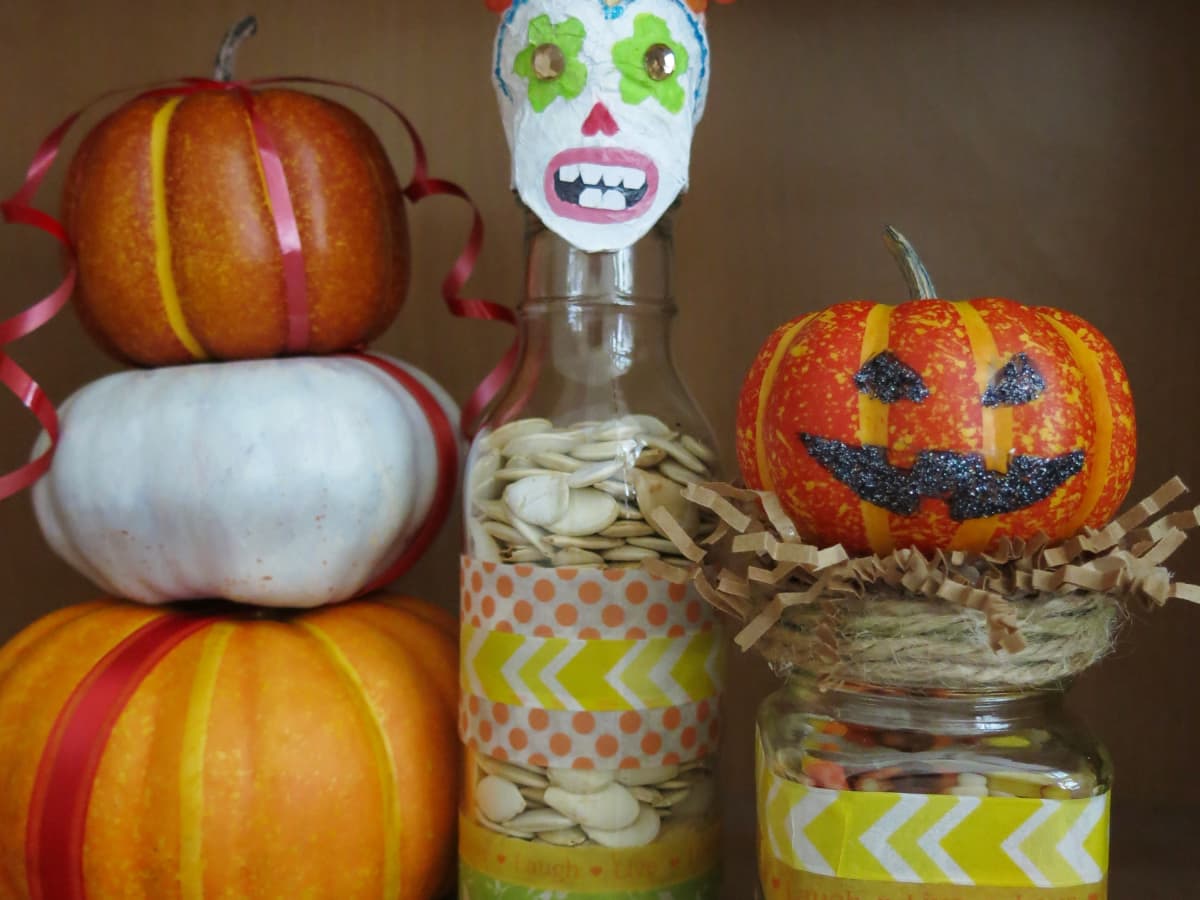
(812, 838)
(681, 854)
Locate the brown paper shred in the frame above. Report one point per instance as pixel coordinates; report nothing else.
(676, 534)
(666, 571)
(1047, 611)
(780, 520)
(714, 502)
(1188, 592)
(719, 534)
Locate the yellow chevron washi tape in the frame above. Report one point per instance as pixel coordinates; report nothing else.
(993, 842)
(598, 675)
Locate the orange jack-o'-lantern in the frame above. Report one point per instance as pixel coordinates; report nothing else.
(938, 424)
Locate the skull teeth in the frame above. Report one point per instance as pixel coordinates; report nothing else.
(595, 198)
(603, 176)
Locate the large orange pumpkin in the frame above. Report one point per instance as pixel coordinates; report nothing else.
(179, 256)
(938, 424)
(168, 754)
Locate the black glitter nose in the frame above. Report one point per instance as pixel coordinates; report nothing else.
(1018, 382)
(886, 378)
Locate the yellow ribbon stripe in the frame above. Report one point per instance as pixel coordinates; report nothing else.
(163, 264)
(591, 675)
(933, 838)
(191, 766)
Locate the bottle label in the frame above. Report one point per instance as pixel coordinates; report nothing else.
(815, 842)
(680, 865)
(586, 668)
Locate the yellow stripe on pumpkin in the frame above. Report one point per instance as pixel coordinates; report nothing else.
(873, 423)
(382, 751)
(191, 767)
(764, 394)
(1100, 451)
(162, 232)
(997, 421)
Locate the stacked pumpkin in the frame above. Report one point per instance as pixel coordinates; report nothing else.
(275, 736)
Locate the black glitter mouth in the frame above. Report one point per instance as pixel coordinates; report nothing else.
(962, 480)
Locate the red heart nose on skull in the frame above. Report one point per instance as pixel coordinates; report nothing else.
(600, 120)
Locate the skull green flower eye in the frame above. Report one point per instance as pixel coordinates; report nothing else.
(551, 63)
(650, 64)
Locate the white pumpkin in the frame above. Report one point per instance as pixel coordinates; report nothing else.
(283, 482)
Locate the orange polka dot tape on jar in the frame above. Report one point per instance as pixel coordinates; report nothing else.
(815, 839)
(590, 604)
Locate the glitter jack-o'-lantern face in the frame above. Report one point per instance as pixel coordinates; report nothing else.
(938, 425)
(600, 99)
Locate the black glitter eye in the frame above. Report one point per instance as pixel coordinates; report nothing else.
(886, 378)
(1016, 384)
(549, 62)
(660, 62)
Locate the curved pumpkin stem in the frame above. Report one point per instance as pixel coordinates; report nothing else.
(233, 39)
(920, 285)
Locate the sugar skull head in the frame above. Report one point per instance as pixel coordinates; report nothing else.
(600, 99)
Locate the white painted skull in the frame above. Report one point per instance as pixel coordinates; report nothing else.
(600, 99)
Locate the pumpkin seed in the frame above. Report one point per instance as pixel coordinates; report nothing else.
(642, 831)
(567, 837)
(588, 512)
(624, 528)
(583, 543)
(501, 829)
(576, 556)
(698, 449)
(659, 545)
(539, 499)
(594, 473)
(676, 472)
(677, 452)
(612, 808)
(542, 442)
(538, 820)
(581, 781)
(605, 450)
(629, 553)
(505, 433)
(650, 457)
(646, 775)
(498, 799)
(558, 462)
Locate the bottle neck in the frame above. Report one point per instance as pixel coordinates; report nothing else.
(638, 274)
(947, 713)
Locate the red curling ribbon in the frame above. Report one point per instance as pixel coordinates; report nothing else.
(62, 788)
(19, 209)
(286, 228)
(446, 443)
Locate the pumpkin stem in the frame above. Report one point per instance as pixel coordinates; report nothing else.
(247, 27)
(920, 285)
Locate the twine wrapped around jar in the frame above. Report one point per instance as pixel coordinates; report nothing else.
(1020, 616)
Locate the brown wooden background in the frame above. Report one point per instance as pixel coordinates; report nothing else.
(1044, 151)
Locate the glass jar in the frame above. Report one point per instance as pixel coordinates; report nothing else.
(886, 792)
(590, 685)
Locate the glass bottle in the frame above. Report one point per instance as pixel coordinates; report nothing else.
(930, 794)
(590, 685)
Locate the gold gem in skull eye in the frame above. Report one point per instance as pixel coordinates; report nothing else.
(549, 62)
(660, 62)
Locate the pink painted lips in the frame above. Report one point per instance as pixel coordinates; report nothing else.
(602, 185)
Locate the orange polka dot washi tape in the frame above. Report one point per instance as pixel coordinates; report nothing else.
(586, 668)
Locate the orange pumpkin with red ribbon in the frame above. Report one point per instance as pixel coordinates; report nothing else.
(213, 222)
(176, 754)
(938, 424)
